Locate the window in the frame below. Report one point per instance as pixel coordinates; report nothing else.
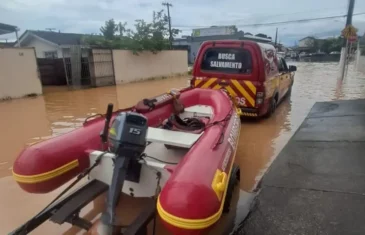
(282, 65)
(285, 65)
(227, 60)
(50, 55)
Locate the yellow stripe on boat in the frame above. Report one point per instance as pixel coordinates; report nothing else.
(33, 179)
(196, 223)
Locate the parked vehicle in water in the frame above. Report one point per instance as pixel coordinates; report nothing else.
(304, 54)
(251, 72)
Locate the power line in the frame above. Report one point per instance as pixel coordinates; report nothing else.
(293, 13)
(280, 22)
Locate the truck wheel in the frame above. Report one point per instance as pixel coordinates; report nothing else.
(288, 93)
(272, 108)
(233, 179)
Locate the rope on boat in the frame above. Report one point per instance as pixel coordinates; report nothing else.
(92, 116)
(144, 155)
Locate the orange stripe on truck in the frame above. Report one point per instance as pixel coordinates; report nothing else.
(251, 86)
(208, 83)
(235, 88)
(197, 82)
(244, 92)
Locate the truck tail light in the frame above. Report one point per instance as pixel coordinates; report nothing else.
(260, 96)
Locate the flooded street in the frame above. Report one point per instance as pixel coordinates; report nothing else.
(25, 121)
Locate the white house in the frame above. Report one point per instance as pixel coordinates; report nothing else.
(50, 44)
(306, 42)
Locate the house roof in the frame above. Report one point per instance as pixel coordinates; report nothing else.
(7, 28)
(55, 37)
(307, 37)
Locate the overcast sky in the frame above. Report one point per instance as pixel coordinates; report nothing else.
(86, 16)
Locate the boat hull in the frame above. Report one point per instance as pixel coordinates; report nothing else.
(45, 166)
(192, 198)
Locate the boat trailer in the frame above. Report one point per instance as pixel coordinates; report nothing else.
(67, 211)
(128, 142)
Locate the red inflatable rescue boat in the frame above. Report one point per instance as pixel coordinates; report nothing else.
(197, 189)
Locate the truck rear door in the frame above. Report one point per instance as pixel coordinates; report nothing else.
(230, 67)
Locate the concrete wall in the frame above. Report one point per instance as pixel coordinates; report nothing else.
(129, 67)
(18, 73)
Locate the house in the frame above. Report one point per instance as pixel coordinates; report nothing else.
(48, 44)
(306, 42)
(6, 29)
(192, 43)
(6, 44)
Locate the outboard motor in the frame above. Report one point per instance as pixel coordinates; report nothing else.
(127, 140)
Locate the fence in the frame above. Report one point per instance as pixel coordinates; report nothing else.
(103, 67)
(18, 73)
(52, 72)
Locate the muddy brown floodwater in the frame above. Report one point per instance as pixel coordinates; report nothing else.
(24, 121)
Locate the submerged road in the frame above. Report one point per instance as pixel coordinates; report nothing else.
(316, 185)
(59, 110)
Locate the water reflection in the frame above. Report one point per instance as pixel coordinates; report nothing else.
(21, 122)
(60, 110)
(259, 143)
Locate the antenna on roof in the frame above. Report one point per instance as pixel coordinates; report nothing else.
(50, 29)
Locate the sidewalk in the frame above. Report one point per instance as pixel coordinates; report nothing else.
(316, 186)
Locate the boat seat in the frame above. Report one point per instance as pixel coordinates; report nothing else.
(197, 111)
(172, 138)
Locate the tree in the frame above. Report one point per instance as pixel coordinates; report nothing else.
(122, 28)
(331, 44)
(151, 36)
(234, 29)
(325, 47)
(109, 29)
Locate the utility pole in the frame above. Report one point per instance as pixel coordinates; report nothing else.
(343, 60)
(276, 37)
(168, 5)
(349, 17)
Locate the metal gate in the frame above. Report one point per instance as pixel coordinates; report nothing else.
(101, 67)
(86, 67)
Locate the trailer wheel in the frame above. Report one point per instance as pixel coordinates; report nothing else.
(233, 179)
